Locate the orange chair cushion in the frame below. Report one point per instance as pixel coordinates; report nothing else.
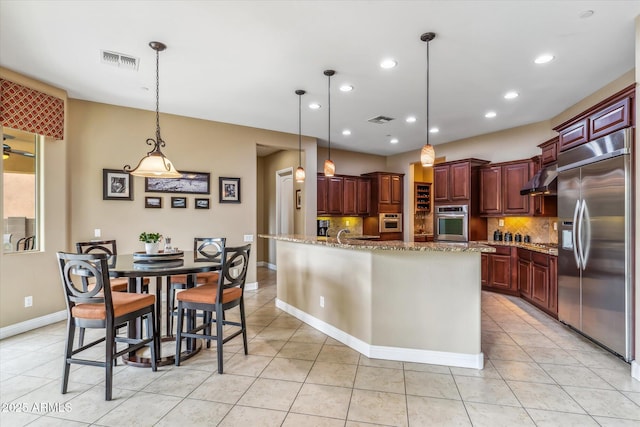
(207, 294)
(121, 284)
(123, 303)
(182, 278)
(210, 276)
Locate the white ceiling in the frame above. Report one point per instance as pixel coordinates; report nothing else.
(241, 61)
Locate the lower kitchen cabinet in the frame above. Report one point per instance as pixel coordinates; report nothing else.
(537, 279)
(497, 272)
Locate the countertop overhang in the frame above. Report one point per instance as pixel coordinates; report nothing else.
(393, 245)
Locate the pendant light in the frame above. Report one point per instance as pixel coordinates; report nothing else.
(329, 167)
(155, 164)
(428, 154)
(300, 175)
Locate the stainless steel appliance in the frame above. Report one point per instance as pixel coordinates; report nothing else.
(594, 255)
(390, 223)
(323, 227)
(452, 223)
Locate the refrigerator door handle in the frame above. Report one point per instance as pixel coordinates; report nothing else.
(585, 240)
(573, 234)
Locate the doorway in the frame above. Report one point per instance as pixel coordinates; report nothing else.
(284, 201)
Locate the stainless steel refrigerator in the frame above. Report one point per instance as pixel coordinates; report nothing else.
(594, 254)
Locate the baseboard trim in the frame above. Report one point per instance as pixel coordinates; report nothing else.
(31, 324)
(253, 286)
(635, 369)
(267, 265)
(461, 360)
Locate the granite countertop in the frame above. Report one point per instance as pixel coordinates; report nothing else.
(545, 248)
(359, 243)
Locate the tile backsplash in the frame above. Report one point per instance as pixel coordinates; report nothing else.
(540, 229)
(336, 223)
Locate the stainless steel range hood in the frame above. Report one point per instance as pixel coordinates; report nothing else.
(544, 182)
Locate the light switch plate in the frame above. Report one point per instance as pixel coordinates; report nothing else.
(248, 237)
(97, 232)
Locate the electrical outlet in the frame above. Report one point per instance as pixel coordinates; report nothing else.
(346, 223)
(322, 302)
(501, 223)
(28, 301)
(248, 237)
(555, 226)
(97, 232)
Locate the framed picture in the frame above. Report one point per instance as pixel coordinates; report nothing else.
(202, 204)
(153, 202)
(229, 190)
(179, 202)
(298, 199)
(116, 185)
(189, 182)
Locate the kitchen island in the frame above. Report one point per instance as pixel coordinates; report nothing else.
(415, 302)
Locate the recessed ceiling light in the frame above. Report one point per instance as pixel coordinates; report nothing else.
(314, 106)
(346, 88)
(586, 14)
(410, 119)
(434, 130)
(511, 95)
(346, 132)
(490, 114)
(393, 140)
(388, 63)
(543, 59)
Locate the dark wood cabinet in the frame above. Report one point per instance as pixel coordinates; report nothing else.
(610, 115)
(363, 194)
(537, 279)
(498, 272)
(456, 182)
(386, 192)
(460, 184)
(549, 151)
(343, 195)
(484, 270)
(441, 183)
(500, 186)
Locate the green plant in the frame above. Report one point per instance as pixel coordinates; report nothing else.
(150, 237)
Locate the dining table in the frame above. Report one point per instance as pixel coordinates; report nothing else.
(161, 266)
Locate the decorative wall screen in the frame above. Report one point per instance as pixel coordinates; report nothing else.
(30, 110)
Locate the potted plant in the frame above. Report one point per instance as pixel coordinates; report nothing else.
(151, 242)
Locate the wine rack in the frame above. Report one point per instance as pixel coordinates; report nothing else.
(422, 192)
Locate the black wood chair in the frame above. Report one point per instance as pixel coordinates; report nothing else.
(216, 300)
(97, 307)
(205, 249)
(109, 247)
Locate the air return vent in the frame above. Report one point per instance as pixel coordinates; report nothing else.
(119, 60)
(380, 119)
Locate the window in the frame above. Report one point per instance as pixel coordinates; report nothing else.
(21, 207)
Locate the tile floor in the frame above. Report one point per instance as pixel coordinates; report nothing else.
(537, 372)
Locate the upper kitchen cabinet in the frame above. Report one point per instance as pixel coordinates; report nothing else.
(344, 195)
(453, 182)
(386, 192)
(500, 186)
(363, 196)
(549, 151)
(614, 113)
(330, 195)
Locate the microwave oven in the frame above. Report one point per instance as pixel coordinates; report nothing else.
(452, 223)
(390, 223)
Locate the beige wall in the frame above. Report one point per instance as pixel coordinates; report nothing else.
(351, 163)
(36, 273)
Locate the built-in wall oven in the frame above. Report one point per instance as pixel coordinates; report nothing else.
(452, 223)
(390, 223)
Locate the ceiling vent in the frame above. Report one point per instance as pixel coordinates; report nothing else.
(121, 60)
(380, 119)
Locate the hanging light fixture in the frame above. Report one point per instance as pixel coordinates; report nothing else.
(329, 167)
(155, 164)
(300, 175)
(428, 154)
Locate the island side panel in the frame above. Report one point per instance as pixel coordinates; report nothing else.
(427, 300)
(342, 276)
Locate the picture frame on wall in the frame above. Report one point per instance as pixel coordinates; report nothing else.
(229, 190)
(179, 202)
(116, 185)
(298, 199)
(202, 204)
(189, 182)
(153, 202)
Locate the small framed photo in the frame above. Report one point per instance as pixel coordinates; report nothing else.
(229, 190)
(298, 199)
(179, 202)
(153, 202)
(202, 204)
(116, 185)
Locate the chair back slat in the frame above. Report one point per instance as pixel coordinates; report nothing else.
(74, 271)
(208, 248)
(101, 246)
(235, 263)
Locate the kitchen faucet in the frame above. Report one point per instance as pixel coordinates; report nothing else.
(344, 230)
